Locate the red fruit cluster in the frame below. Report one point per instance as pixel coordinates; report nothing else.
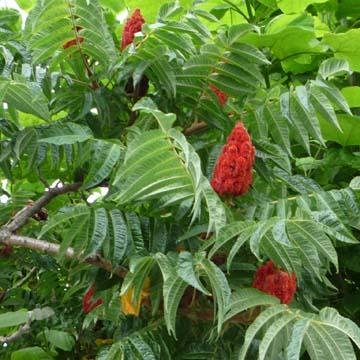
(87, 303)
(222, 97)
(132, 26)
(233, 170)
(275, 282)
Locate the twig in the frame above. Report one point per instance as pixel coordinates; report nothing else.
(245, 317)
(54, 249)
(16, 335)
(78, 43)
(237, 9)
(248, 8)
(5, 192)
(195, 127)
(22, 281)
(23, 215)
(7, 236)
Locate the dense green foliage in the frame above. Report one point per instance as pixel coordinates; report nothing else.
(141, 161)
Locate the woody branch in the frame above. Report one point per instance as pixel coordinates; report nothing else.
(8, 237)
(16, 335)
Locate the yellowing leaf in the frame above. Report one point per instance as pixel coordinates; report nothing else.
(100, 342)
(128, 306)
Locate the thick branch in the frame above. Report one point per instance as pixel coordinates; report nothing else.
(16, 335)
(22, 216)
(53, 249)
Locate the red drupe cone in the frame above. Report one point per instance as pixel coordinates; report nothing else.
(222, 97)
(132, 26)
(275, 282)
(233, 170)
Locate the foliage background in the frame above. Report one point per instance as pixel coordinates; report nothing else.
(140, 204)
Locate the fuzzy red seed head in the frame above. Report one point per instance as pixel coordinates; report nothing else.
(262, 272)
(233, 170)
(132, 26)
(275, 282)
(222, 97)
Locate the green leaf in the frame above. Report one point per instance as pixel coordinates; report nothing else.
(25, 96)
(285, 255)
(350, 134)
(173, 290)
(293, 351)
(106, 156)
(333, 319)
(264, 318)
(301, 132)
(215, 207)
(323, 106)
(333, 67)
(278, 126)
(152, 169)
(168, 9)
(159, 69)
(355, 183)
(332, 93)
(13, 318)
(186, 270)
(61, 218)
(31, 353)
(100, 230)
(26, 4)
(296, 6)
(165, 121)
(303, 111)
(140, 268)
(220, 289)
(50, 25)
(121, 237)
(345, 46)
(275, 153)
(243, 299)
(67, 134)
(272, 332)
(9, 18)
(115, 5)
(227, 233)
(60, 339)
(149, 10)
(262, 227)
(282, 36)
(352, 95)
(333, 345)
(307, 231)
(142, 347)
